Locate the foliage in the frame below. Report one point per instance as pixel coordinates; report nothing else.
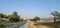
(2, 26)
(55, 13)
(14, 20)
(9, 16)
(14, 17)
(56, 16)
(1, 16)
(35, 19)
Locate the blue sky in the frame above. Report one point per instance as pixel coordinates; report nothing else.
(30, 8)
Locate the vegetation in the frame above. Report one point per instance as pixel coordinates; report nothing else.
(56, 16)
(14, 17)
(50, 24)
(35, 19)
(7, 20)
(54, 24)
(2, 16)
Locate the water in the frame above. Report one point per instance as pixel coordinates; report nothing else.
(24, 26)
(19, 26)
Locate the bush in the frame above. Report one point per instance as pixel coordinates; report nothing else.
(14, 20)
(2, 25)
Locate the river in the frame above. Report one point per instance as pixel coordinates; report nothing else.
(24, 25)
(19, 26)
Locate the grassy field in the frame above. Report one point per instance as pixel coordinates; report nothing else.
(50, 24)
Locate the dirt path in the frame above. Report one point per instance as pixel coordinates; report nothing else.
(30, 25)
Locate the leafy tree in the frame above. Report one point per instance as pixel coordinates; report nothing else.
(56, 15)
(9, 16)
(15, 17)
(3, 16)
(36, 18)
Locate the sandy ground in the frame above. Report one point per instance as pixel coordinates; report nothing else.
(30, 25)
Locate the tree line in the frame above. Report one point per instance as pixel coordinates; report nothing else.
(14, 17)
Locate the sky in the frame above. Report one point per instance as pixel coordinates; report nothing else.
(30, 8)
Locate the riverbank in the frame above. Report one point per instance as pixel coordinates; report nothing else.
(8, 24)
(16, 25)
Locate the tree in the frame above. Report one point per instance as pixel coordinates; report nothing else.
(36, 18)
(56, 15)
(15, 17)
(3, 16)
(9, 16)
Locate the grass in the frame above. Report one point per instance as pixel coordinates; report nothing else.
(50, 24)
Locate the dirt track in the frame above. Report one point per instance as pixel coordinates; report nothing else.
(30, 25)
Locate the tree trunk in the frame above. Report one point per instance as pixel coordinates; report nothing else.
(55, 22)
